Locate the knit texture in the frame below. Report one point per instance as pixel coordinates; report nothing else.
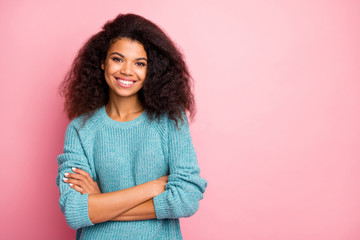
(119, 155)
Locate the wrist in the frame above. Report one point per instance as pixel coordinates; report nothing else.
(158, 187)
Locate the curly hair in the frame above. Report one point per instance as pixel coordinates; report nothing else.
(168, 85)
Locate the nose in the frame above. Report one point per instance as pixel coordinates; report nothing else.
(126, 69)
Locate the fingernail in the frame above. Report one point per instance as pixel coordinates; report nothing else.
(65, 179)
(70, 184)
(66, 174)
(74, 169)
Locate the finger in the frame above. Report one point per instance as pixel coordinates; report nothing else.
(82, 172)
(76, 182)
(75, 176)
(86, 184)
(77, 188)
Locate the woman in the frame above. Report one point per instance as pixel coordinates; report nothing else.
(129, 169)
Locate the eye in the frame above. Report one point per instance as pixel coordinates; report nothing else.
(116, 59)
(141, 64)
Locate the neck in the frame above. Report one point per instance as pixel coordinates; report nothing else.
(122, 107)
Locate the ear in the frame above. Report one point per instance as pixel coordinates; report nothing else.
(102, 66)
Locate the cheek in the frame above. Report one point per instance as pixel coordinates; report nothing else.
(108, 72)
(143, 74)
(111, 67)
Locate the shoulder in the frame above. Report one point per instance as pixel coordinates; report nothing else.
(180, 124)
(83, 129)
(86, 122)
(165, 124)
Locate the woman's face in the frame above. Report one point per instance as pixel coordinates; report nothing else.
(125, 67)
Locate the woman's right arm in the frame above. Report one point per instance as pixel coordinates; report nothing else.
(82, 182)
(110, 206)
(83, 210)
(73, 204)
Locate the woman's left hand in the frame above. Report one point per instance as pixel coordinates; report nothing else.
(82, 182)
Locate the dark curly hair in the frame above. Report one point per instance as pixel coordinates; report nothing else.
(168, 85)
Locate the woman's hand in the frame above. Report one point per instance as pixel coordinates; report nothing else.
(160, 184)
(82, 182)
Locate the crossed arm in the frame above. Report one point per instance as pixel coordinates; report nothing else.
(174, 196)
(135, 203)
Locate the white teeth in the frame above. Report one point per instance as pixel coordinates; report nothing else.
(125, 82)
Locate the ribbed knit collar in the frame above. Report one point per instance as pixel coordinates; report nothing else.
(115, 123)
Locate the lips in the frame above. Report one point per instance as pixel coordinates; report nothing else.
(126, 83)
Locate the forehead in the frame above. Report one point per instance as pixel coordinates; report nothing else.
(127, 47)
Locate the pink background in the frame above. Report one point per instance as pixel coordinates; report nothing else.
(277, 132)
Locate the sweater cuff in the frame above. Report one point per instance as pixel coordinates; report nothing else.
(161, 205)
(77, 212)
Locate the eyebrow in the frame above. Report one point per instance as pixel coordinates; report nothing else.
(116, 53)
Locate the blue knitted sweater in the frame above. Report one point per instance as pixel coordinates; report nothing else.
(120, 155)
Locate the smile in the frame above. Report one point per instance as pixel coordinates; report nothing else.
(125, 83)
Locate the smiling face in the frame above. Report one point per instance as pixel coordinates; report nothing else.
(125, 68)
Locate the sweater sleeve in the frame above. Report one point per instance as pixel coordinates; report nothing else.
(73, 204)
(185, 187)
